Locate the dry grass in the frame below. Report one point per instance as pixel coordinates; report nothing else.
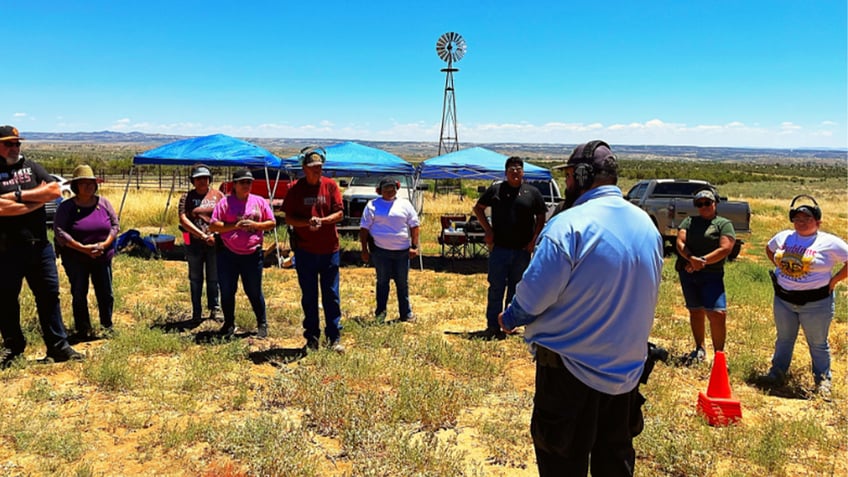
(406, 399)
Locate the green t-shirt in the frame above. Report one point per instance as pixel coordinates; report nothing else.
(702, 237)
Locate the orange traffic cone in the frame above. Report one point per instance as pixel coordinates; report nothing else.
(718, 404)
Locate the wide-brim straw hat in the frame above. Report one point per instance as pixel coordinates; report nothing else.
(82, 172)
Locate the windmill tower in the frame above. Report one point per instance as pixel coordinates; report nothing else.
(451, 48)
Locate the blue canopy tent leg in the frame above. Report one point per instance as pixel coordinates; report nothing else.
(271, 193)
(168, 202)
(416, 179)
(127, 188)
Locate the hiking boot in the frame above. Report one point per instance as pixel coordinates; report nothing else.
(695, 357)
(65, 353)
(262, 331)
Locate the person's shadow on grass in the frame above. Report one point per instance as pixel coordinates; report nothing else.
(277, 357)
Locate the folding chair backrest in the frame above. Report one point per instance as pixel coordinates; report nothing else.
(447, 219)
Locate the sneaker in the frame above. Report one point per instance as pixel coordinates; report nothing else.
(493, 334)
(227, 331)
(83, 336)
(337, 347)
(262, 331)
(408, 318)
(695, 357)
(311, 344)
(772, 379)
(380, 318)
(63, 354)
(108, 332)
(7, 357)
(215, 315)
(823, 390)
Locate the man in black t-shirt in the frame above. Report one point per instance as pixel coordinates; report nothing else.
(25, 252)
(518, 214)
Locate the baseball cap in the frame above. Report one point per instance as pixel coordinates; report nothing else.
(705, 194)
(601, 158)
(806, 209)
(201, 171)
(313, 157)
(388, 181)
(242, 174)
(9, 132)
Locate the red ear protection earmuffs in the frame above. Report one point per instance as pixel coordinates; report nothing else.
(380, 189)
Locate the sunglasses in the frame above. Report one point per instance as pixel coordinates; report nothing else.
(703, 203)
(12, 143)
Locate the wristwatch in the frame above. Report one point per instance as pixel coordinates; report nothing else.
(414, 246)
(18, 195)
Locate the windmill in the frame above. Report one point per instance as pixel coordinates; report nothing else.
(451, 48)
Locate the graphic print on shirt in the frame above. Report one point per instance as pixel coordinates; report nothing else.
(23, 175)
(795, 260)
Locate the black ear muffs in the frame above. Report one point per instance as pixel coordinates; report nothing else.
(584, 172)
(814, 209)
(309, 150)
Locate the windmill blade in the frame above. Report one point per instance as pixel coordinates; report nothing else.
(450, 47)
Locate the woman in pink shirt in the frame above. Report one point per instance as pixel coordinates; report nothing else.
(240, 219)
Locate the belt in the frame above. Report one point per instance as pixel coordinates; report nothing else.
(798, 297)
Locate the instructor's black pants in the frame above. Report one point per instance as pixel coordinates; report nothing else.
(574, 425)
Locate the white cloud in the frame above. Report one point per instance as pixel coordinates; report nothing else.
(653, 131)
(20, 115)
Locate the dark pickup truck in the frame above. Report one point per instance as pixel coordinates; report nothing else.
(669, 201)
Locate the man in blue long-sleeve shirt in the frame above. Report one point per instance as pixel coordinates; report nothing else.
(587, 300)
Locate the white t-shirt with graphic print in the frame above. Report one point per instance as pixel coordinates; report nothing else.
(806, 263)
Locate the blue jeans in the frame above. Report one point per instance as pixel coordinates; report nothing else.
(37, 264)
(314, 270)
(200, 256)
(231, 266)
(80, 270)
(392, 265)
(703, 290)
(814, 317)
(506, 266)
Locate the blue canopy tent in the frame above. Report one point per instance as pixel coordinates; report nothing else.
(350, 159)
(217, 150)
(475, 163)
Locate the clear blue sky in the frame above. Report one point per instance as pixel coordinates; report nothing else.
(710, 73)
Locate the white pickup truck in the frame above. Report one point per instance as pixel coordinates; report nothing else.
(360, 190)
